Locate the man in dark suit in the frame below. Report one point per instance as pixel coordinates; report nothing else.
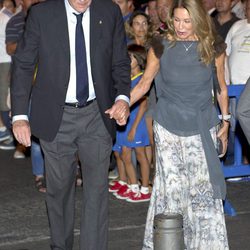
(72, 90)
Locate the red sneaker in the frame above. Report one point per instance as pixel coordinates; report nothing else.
(138, 197)
(125, 194)
(112, 182)
(122, 189)
(115, 187)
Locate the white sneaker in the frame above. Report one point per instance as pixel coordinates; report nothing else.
(113, 174)
(18, 154)
(7, 144)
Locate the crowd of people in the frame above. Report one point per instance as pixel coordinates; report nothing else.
(144, 81)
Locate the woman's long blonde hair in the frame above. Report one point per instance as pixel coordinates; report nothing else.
(202, 24)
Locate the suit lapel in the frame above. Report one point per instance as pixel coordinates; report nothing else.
(61, 25)
(96, 22)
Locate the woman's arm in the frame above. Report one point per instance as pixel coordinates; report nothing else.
(222, 98)
(141, 111)
(153, 65)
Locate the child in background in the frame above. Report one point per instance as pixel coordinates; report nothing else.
(120, 184)
(135, 136)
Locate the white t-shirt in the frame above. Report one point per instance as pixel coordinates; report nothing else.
(238, 52)
(5, 15)
(239, 10)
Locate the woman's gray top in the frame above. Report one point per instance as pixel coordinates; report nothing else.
(185, 106)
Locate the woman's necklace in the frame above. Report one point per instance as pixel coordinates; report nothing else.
(187, 47)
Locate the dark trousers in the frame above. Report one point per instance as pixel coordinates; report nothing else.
(82, 133)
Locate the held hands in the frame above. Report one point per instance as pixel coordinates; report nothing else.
(223, 135)
(119, 111)
(21, 130)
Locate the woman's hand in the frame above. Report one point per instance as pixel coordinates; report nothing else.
(223, 135)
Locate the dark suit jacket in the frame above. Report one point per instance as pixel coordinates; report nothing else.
(46, 43)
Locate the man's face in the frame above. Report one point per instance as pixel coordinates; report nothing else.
(152, 12)
(8, 4)
(80, 5)
(124, 6)
(162, 9)
(223, 5)
(208, 4)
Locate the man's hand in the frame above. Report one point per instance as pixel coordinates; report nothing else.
(119, 111)
(21, 130)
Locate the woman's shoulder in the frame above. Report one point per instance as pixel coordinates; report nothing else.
(219, 45)
(158, 43)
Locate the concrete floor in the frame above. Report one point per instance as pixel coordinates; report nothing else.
(24, 225)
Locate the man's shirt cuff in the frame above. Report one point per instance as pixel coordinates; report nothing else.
(19, 117)
(122, 97)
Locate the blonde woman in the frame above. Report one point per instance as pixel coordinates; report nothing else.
(188, 177)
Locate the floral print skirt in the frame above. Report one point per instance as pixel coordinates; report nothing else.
(182, 186)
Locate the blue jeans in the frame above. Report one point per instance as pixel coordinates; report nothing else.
(37, 159)
(6, 119)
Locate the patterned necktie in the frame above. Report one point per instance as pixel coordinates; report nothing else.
(82, 83)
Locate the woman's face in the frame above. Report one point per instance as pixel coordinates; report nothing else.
(183, 24)
(140, 26)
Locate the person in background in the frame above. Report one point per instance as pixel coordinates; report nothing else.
(121, 183)
(9, 5)
(14, 31)
(139, 30)
(151, 10)
(6, 138)
(140, 5)
(10, 143)
(223, 21)
(135, 136)
(209, 6)
(238, 8)
(83, 69)
(225, 18)
(238, 61)
(162, 10)
(243, 110)
(126, 7)
(188, 178)
(238, 48)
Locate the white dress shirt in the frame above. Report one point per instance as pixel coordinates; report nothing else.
(71, 92)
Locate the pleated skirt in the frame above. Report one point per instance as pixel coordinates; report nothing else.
(182, 185)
